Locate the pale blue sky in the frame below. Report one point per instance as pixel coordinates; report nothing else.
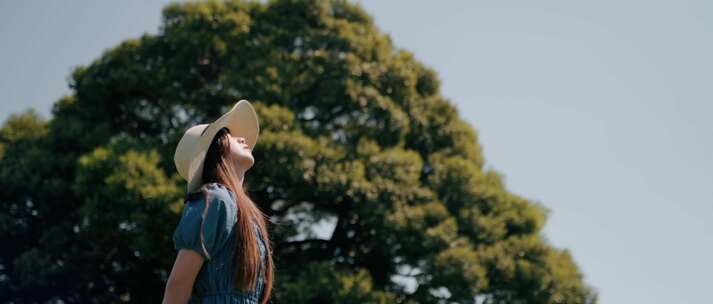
(600, 110)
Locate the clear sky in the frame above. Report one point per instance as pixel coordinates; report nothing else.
(601, 110)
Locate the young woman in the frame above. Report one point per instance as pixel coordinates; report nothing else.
(224, 252)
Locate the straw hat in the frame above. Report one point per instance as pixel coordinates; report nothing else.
(241, 120)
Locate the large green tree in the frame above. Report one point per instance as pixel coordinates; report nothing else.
(354, 132)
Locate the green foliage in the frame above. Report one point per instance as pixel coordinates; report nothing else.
(354, 132)
(319, 281)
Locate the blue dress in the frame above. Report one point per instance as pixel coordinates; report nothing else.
(213, 237)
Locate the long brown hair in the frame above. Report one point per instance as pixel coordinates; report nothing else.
(247, 254)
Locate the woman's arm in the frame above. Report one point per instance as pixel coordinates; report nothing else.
(183, 275)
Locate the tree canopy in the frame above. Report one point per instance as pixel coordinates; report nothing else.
(354, 133)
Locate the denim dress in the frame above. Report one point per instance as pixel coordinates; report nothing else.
(209, 231)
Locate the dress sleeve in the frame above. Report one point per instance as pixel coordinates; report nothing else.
(205, 228)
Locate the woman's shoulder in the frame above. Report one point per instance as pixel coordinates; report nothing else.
(214, 190)
(219, 190)
(207, 220)
(214, 201)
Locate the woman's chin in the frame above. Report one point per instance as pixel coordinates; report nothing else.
(246, 160)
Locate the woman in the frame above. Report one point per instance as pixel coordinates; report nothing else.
(224, 253)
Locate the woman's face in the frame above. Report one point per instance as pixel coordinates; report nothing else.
(240, 153)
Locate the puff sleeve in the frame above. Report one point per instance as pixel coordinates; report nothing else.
(205, 228)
